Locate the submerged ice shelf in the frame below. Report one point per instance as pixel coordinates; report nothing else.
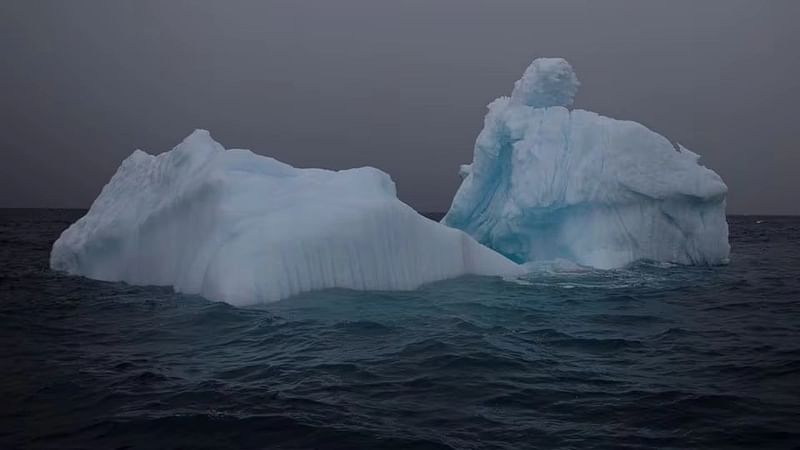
(234, 226)
(550, 183)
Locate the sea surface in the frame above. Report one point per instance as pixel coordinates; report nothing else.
(651, 356)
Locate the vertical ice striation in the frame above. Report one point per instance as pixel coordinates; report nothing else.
(242, 228)
(549, 183)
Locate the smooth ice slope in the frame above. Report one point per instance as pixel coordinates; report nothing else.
(549, 183)
(234, 226)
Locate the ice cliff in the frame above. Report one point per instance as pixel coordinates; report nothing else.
(549, 183)
(234, 226)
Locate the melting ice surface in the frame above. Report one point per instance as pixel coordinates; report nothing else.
(547, 183)
(234, 226)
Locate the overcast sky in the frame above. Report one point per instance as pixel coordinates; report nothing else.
(399, 85)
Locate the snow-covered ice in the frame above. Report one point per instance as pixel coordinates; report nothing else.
(234, 226)
(548, 183)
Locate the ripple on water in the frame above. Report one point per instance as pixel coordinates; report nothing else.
(647, 356)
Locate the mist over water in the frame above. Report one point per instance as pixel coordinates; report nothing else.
(648, 356)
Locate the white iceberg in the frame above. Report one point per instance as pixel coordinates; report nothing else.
(234, 226)
(547, 183)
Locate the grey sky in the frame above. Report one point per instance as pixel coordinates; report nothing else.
(399, 85)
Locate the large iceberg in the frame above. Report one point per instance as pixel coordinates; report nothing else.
(550, 183)
(234, 226)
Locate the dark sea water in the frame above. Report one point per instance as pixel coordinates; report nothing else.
(647, 357)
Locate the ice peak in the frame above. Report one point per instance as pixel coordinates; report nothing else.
(546, 82)
(196, 147)
(197, 136)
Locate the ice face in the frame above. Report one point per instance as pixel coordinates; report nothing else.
(548, 183)
(234, 226)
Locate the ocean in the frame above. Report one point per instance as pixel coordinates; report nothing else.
(650, 356)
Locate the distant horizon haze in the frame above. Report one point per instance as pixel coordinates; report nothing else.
(401, 86)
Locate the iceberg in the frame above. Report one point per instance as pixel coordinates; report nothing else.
(549, 183)
(237, 227)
